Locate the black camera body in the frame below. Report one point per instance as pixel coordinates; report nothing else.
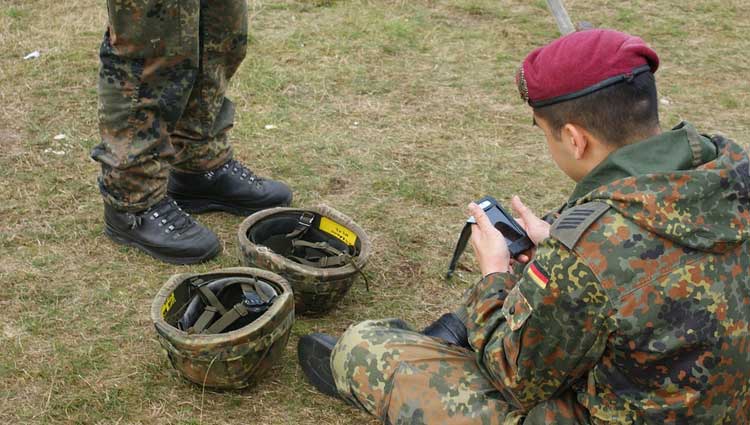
(516, 238)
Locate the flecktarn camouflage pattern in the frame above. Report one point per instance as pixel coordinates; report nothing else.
(229, 360)
(319, 250)
(403, 377)
(644, 311)
(165, 67)
(635, 310)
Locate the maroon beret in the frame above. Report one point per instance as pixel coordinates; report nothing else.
(581, 63)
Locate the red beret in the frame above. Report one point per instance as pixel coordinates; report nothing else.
(581, 63)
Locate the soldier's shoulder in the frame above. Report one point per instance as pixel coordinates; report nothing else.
(574, 222)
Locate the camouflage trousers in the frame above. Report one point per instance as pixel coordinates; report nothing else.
(403, 377)
(164, 69)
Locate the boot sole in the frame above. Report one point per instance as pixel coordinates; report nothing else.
(123, 240)
(315, 360)
(199, 206)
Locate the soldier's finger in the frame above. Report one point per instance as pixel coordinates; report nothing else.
(482, 220)
(522, 210)
(475, 240)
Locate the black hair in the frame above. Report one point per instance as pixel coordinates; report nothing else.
(620, 114)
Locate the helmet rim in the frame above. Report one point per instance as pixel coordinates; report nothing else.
(181, 340)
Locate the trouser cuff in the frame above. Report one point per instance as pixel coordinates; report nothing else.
(124, 206)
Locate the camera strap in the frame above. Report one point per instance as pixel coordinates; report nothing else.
(463, 240)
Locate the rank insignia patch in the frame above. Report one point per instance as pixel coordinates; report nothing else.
(537, 274)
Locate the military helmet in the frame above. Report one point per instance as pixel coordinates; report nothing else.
(226, 328)
(319, 250)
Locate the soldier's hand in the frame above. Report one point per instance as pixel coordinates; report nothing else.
(536, 228)
(488, 243)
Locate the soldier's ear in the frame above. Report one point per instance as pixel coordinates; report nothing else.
(576, 140)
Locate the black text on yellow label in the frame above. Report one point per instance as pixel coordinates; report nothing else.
(340, 232)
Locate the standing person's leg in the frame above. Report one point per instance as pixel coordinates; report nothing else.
(205, 176)
(404, 377)
(200, 137)
(149, 63)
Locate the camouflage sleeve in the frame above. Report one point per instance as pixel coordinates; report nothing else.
(537, 332)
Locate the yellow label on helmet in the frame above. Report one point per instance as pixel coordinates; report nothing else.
(338, 231)
(167, 305)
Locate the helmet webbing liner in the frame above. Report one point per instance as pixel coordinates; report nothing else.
(297, 237)
(249, 298)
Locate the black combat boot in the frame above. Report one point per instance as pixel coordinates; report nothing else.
(163, 231)
(449, 328)
(231, 188)
(314, 354)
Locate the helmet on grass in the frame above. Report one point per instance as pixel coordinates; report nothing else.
(319, 250)
(226, 328)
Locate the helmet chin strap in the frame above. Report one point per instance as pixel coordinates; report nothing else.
(311, 255)
(335, 259)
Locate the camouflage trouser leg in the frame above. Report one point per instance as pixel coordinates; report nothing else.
(155, 60)
(200, 137)
(404, 377)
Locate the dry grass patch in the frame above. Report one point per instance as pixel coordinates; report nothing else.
(396, 113)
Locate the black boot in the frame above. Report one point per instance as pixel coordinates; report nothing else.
(450, 329)
(231, 188)
(314, 354)
(163, 231)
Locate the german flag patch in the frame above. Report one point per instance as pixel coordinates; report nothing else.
(537, 274)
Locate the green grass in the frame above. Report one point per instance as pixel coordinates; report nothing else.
(396, 113)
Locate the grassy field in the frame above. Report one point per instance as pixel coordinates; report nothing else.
(397, 113)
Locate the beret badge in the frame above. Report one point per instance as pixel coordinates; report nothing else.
(523, 89)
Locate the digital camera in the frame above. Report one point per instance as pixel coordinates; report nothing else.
(516, 238)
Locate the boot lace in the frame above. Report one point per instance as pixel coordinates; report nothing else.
(237, 168)
(168, 215)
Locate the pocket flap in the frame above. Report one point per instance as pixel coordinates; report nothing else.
(516, 309)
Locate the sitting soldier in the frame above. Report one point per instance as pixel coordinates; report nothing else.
(634, 306)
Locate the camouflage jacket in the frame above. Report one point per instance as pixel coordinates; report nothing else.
(639, 301)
